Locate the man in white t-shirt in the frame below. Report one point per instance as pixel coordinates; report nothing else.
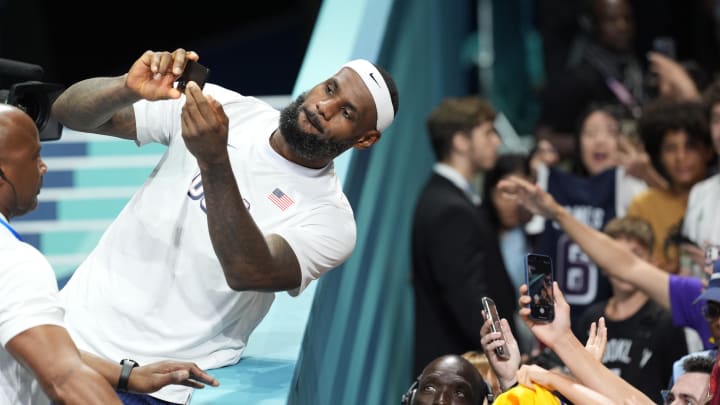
(244, 203)
(702, 218)
(38, 359)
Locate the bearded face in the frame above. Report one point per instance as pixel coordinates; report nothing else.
(306, 145)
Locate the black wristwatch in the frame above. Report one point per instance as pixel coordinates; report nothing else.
(127, 366)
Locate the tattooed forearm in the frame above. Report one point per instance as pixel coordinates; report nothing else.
(249, 260)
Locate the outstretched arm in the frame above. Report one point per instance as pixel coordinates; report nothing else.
(575, 392)
(613, 257)
(103, 105)
(49, 352)
(150, 378)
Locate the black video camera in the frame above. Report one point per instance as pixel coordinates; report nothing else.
(26, 92)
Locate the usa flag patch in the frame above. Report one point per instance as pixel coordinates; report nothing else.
(282, 200)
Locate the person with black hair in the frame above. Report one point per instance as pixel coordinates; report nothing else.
(693, 386)
(245, 203)
(676, 137)
(598, 187)
(604, 146)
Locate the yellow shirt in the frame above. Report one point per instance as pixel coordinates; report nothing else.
(663, 211)
(521, 395)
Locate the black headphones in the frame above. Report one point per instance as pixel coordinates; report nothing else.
(409, 396)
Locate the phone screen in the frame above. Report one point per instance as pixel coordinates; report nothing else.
(491, 313)
(539, 278)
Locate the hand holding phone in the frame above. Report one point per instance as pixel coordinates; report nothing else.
(193, 72)
(539, 278)
(490, 312)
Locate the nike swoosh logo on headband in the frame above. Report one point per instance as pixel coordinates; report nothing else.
(375, 80)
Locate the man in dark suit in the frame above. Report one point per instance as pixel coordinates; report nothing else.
(455, 252)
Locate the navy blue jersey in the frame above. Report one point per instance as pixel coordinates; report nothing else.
(591, 200)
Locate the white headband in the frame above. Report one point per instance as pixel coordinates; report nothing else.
(378, 89)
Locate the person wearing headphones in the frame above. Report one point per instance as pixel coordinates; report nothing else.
(39, 361)
(449, 379)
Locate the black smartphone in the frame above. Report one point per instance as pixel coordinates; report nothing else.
(193, 72)
(491, 312)
(665, 46)
(539, 278)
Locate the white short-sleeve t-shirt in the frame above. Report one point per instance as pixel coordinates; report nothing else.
(153, 288)
(702, 217)
(28, 298)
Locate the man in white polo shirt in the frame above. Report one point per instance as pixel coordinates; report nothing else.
(245, 202)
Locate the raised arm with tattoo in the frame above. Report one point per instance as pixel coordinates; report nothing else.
(250, 260)
(104, 105)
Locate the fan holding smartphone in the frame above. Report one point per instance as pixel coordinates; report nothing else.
(490, 312)
(539, 278)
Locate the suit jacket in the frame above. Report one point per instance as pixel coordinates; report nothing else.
(456, 261)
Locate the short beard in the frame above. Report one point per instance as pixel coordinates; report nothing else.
(305, 145)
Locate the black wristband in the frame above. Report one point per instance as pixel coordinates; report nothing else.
(127, 366)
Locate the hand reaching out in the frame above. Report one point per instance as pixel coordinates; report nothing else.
(530, 195)
(152, 76)
(597, 339)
